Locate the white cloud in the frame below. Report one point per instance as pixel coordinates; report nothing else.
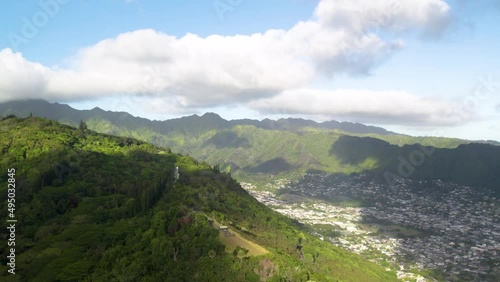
(374, 107)
(196, 72)
(429, 17)
(199, 71)
(19, 77)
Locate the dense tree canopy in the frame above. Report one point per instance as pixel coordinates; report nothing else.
(93, 207)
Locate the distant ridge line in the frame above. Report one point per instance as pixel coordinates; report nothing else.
(210, 120)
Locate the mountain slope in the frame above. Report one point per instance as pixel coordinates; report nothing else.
(239, 145)
(469, 164)
(94, 207)
(262, 151)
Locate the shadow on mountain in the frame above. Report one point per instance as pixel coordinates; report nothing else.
(434, 210)
(227, 139)
(355, 150)
(272, 166)
(468, 164)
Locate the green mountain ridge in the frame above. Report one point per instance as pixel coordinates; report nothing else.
(263, 151)
(190, 124)
(95, 207)
(469, 164)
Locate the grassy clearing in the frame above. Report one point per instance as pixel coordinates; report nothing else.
(232, 241)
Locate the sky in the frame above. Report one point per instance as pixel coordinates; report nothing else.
(426, 67)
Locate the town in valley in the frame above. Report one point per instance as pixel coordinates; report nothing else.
(425, 230)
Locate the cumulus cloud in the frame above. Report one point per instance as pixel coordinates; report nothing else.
(189, 72)
(375, 107)
(429, 17)
(20, 78)
(196, 71)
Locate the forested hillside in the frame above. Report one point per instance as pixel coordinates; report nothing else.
(94, 207)
(263, 151)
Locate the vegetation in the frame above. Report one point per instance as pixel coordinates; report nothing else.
(261, 151)
(94, 207)
(469, 164)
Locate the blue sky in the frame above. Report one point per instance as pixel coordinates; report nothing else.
(83, 23)
(428, 67)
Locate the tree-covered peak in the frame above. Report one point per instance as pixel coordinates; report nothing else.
(95, 207)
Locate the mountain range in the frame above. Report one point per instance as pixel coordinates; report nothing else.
(267, 150)
(109, 196)
(189, 124)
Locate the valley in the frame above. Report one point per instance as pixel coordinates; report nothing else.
(232, 140)
(424, 230)
(329, 204)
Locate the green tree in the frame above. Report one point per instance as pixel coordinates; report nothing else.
(82, 126)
